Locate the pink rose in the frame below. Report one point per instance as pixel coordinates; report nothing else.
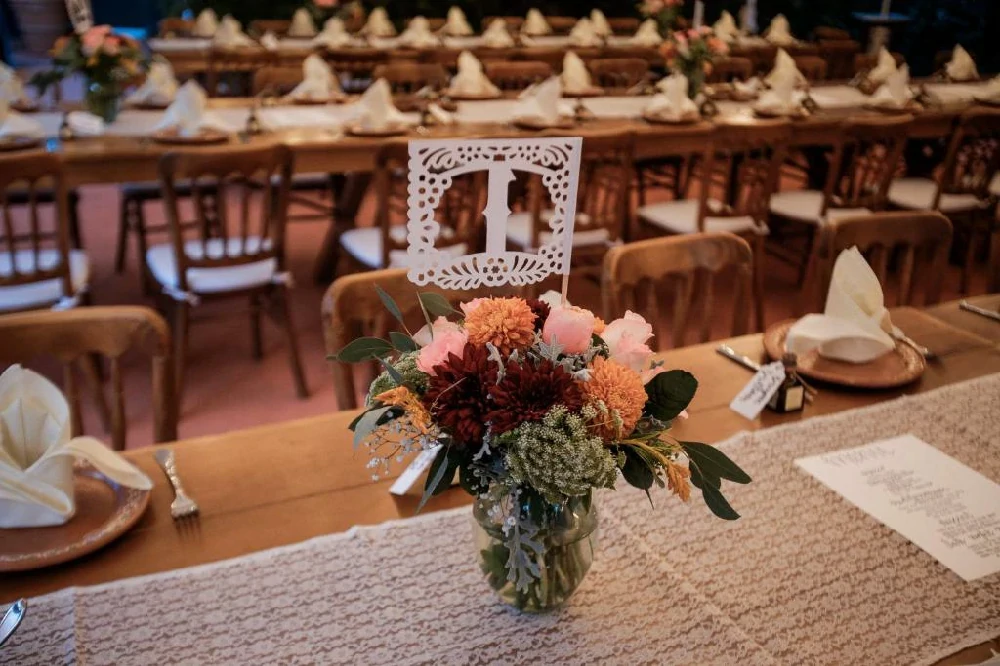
(469, 308)
(626, 339)
(444, 343)
(112, 45)
(326, 4)
(93, 38)
(424, 336)
(571, 327)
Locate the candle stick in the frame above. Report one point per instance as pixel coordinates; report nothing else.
(699, 14)
(886, 7)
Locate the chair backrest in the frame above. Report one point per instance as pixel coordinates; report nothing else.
(110, 332)
(260, 27)
(409, 77)
(251, 183)
(640, 271)
(729, 69)
(561, 25)
(814, 68)
(240, 60)
(552, 56)
(513, 22)
(620, 73)
(973, 157)
(839, 56)
(648, 53)
(865, 161)
(357, 61)
(920, 237)
(762, 57)
(447, 58)
(830, 33)
(276, 80)
(623, 26)
(175, 27)
(34, 246)
(516, 75)
(435, 24)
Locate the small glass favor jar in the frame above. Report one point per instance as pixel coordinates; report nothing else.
(791, 395)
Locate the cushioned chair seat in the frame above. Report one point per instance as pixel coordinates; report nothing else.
(681, 217)
(162, 265)
(805, 205)
(919, 193)
(519, 231)
(365, 245)
(47, 292)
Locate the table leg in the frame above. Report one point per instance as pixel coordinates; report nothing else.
(349, 191)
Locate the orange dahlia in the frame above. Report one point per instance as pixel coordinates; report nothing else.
(619, 396)
(508, 323)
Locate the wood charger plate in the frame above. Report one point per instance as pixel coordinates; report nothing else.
(309, 101)
(461, 97)
(797, 114)
(661, 120)
(104, 512)
(539, 124)
(902, 366)
(9, 143)
(393, 129)
(206, 137)
(892, 110)
(149, 106)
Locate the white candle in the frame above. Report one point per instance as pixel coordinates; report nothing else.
(886, 7)
(750, 17)
(699, 14)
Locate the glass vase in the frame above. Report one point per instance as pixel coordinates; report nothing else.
(553, 543)
(103, 99)
(696, 80)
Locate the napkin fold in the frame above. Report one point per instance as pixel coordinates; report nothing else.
(583, 34)
(855, 326)
(992, 88)
(378, 24)
(84, 123)
(543, 103)
(160, 86)
(725, 28)
(11, 87)
(206, 24)
(648, 34)
(575, 77)
(230, 34)
(535, 24)
(781, 99)
(189, 113)
(37, 454)
(895, 93)
(779, 32)
(672, 102)
(318, 81)
(470, 81)
(961, 67)
(884, 66)
(270, 41)
(375, 110)
(440, 116)
(600, 23)
(302, 24)
(418, 34)
(456, 25)
(334, 35)
(785, 67)
(13, 123)
(749, 87)
(497, 36)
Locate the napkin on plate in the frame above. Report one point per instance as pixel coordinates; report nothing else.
(11, 87)
(884, 66)
(84, 123)
(583, 34)
(785, 67)
(318, 81)
(781, 98)
(456, 25)
(206, 25)
(672, 102)
(37, 454)
(648, 34)
(13, 123)
(780, 31)
(160, 86)
(535, 24)
(600, 23)
(895, 93)
(991, 89)
(748, 88)
(575, 77)
(440, 116)
(725, 28)
(230, 34)
(334, 34)
(375, 109)
(497, 36)
(270, 41)
(189, 113)
(302, 24)
(418, 34)
(855, 326)
(961, 67)
(470, 80)
(378, 24)
(543, 103)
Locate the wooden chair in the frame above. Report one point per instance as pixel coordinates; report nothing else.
(725, 70)
(435, 24)
(261, 27)
(642, 270)
(824, 32)
(619, 73)
(814, 68)
(38, 270)
(447, 58)
(648, 53)
(670, 173)
(762, 56)
(553, 57)
(561, 25)
(514, 23)
(409, 77)
(516, 75)
(230, 70)
(623, 26)
(962, 189)
(839, 56)
(921, 238)
(240, 199)
(109, 332)
(357, 63)
(748, 157)
(275, 80)
(171, 28)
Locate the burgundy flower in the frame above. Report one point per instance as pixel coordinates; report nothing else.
(527, 392)
(458, 394)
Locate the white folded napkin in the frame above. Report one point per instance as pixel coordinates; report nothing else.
(334, 34)
(600, 23)
(270, 41)
(543, 103)
(575, 77)
(781, 99)
(440, 116)
(83, 123)
(648, 34)
(13, 123)
(780, 31)
(11, 87)
(378, 24)
(672, 102)
(375, 109)
(855, 326)
(725, 28)
(895, 93)
(992, 88)
(318, 81)
(230, 34)
(206, 25)
(535, 24)
(189, 113)
(583, 34)
(470, 80)
(456, 24)
(749, 87)
(497, 36)
(160, 86)
(37, 454)
(418, 34)
(785, 67)
(884, 66)
(961, 67)
(302, 24)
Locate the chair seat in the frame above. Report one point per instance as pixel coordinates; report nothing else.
(805, 205)
(519, 231)
(681, 217)
(163, 267)
(919, 193)
(365, 245)
(46, 292)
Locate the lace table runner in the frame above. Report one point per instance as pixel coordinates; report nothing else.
(804, 577)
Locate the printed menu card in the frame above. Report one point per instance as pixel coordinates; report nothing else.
(949, 510)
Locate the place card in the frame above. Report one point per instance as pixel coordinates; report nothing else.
(949, 510)
(414, 471)
(750, 402)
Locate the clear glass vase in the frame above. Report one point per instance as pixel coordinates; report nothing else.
(554, 544)
(103, 99)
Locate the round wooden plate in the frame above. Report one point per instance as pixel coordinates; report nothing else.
(538, 124)
(104, 511)
(897, 368)
(395, 129)
(460, 97)
(149, 106)
(308, 101)
(661, 120)
(797, 114)
(891, 110)
(204, 138)
(9, 143)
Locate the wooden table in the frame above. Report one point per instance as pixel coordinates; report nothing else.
(953, 315)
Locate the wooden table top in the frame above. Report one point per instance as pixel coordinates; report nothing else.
(951, 314)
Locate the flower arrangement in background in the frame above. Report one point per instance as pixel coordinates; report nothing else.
(323, 10)
(691, 53)
(533, 403)
(665, 12)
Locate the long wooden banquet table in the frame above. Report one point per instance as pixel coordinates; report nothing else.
(285, 483)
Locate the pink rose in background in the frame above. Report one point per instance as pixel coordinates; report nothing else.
(93, 38)
(450, 341)
(326, 4)
(626, 339)
(469, 308)
(571, 327)
(441, 325)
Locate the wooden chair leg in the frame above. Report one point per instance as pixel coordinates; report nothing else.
(256, 335)
(282, 312)
(180, 321)
(758, 281)
(124, 226)
(970, 259)
(75, 235)
(993, 261)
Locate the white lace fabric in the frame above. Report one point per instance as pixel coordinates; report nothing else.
(803, 577)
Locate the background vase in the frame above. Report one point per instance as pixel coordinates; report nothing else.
(103, 99)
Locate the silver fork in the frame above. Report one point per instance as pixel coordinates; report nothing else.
(182, 506)
(899, 336)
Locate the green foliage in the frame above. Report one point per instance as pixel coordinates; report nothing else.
(436, 305)
(402, 342)
(363, 349)
(669, 393)
(708, 467)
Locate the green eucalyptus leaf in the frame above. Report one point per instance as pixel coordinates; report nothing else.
(436, 305)
(393, 372)
(363, 349)
(637, 470)
(366, 424)
(354, 421)
(402, 342)
(435, 476)
(390, 304)
(713, 461)
(699, 478)
(718, 503)
(669, 393)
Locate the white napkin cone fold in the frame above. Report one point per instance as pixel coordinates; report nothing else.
(884, 66)
(13, 123)
(37, 454)
(378, 24)
(470, 81)
(725, 28)
(375, 110)
(855, 326)
(230, 34)
(302, 25)
(189, 113)
(11, 87)
(334, 35)
(543, 103)
(206, 24)
(600, 23)
(497, 36)
(648, 34)
(457, 25)
(418, 34)
(160, 86)
(784, 67)
(583, 34)
(780, 32)
(782, 98)
(270, 41)
(535, 24)
(672, 102)
(575, 77)
(961, 67)
(895, 93)
(318, 81)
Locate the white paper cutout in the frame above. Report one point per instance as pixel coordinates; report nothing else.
(80, 15)
(433, 165)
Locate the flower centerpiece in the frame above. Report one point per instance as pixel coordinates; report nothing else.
(534, 404)
(691, 53)
(323, 10)
(665, 12)
(108, 62)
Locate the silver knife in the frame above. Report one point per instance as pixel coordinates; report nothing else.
(732, 355)
(11, 619)
(969, 307)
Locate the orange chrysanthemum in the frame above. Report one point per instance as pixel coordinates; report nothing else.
(508, 323)
(402, 397)
(599, 325)
(618, 394)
